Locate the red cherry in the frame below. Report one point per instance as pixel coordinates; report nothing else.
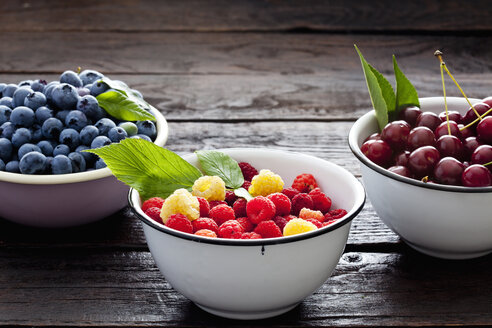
(453, 116)
(451, 146)
(488, 101)
(482, 155)
(470, 115)
(466, 132)
(378, 151)
(401, 170)
(410, 115)
(422, 160)
(374, 136)
(395, 134)
(401, 159)
(442, 129)
(449, 171)
(429, 119)
(476, 175)
(420, 136)
(484, 130)
(470, 144)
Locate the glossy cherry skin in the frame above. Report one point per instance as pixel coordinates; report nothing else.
(442, 129)
(395, 134)
(410, 115)
(453, 116)
(422, 161)
(482, 155)
(487, 101)
(401, 170)
(401, 159)
(429, 119)
(378, 151)
(448, 171)
(465, 133)
(419, 137)
(470, 144)
(450, 146)
(470, 115)
(374, 136)
(484, 130)
(476, 175)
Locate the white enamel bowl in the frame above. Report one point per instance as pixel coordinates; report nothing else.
(450, 222)
(254, 279)
(56, 201)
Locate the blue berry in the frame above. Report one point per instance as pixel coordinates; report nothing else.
(90, 76)
(48, 91)
(2, 87)
(130, 128)
(89, 106)
(78, 162)
(61, 164)
(21, 136)
(71, 78)
(98, 87)
(22, 116)
(142, 136)
(89, 158)
(25, 83)
(20, 95)
(87, 134)
(27, 148)
(9, 90)
(7, 101)
(65, 96)
(70, 137)
(148, 128)
(76, 120)
(2, 165)
(36, 133)
(51, 128)
(117, 134)
(100, 141)
(12, 167)
(34, 100)
(49, 160)
(38, 85)
(62, 115)
(42, 114)
(104, 125)
(7, 129)
(100, 164)
(5, 149)
(61, 150)
(46, 147)
(32, 163)
(83, 91)
(4, 114)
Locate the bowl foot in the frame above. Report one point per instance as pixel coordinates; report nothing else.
(447, 255)
(247, 315)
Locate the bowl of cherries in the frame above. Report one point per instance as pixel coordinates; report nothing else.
(427, 172)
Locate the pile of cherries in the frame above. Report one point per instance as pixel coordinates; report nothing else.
(418, 145)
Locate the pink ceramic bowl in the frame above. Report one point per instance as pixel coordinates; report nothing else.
(56, 201)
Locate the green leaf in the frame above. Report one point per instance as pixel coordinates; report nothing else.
(222, 165)
(120, 106)
(150, 169)
(406, 95)
(243, 193)
(379, 91)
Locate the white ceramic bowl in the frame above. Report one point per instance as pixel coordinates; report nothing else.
(253, 279)
(450, 222)
(56, 201)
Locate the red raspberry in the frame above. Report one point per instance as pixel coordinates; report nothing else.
(214, 203)
(222, 213)
(290, 192)
(250, 235)
(321, 202)
(231, 229)
(246, 223)
(152, 202)
(280, 221)
(316, 222)
(204, 207)
(179, 222)
(282, 203)
(268, 229)
(230, 197)
(206, 233)
(290, 217)
(248, 171)
(204, 223)
(301, 201)
(246, 184)
(154, 213)
(260, 209)
(304, 183)
(336, 214)
(326, 223)
(239, 207)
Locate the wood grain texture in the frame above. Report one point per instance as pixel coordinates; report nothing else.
(99, 288)
(252, 15)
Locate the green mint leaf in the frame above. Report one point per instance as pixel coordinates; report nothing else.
(120, 106)
(380, 91)
(222, 165)
(406, 95)
(150, 169)
(243, 193)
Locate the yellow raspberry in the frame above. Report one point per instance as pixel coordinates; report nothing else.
(209, 187)
(182, 202)
(306, 213)
(297, 226)
(266, 183)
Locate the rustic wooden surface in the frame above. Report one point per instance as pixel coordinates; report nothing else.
(277, 74)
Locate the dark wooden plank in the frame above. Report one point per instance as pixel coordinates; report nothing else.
(100, 288)
(256, 15)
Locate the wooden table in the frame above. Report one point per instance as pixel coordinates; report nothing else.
(277, 74)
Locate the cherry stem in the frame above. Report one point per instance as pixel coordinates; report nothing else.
(489, 163)
(476, 120)
(439, 56)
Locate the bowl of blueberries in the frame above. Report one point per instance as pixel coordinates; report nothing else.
(47, 179)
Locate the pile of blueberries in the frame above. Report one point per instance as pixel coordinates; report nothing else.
(44, 127)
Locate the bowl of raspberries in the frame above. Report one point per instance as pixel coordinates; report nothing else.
(428, 174)
(47, 179)
(259, 250)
